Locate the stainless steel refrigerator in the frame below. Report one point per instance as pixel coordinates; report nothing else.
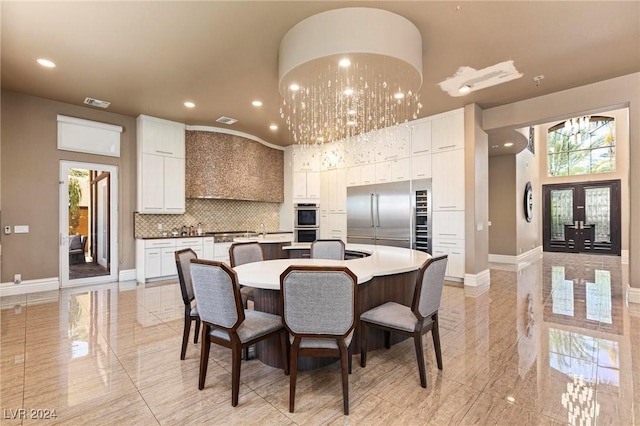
(379, 214)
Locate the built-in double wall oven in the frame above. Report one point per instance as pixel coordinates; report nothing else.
(306, 224)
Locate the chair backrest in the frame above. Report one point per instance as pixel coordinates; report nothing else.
(428, 292)
(183, 260)
(241, 253)
(327, 249)
(217, 292)
(318, 300)
(76, 242)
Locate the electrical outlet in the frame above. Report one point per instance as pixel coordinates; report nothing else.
(17, 278)
(159, 227)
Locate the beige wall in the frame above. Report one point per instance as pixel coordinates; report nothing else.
(29, 181)
(477, 193)
(502, 205)
(602, 96)
(528, 235)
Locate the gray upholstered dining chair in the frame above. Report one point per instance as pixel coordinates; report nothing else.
(183, 260)
(225, 321)
(327, 249)
(241, 253)
(416, 320)
(318, 310)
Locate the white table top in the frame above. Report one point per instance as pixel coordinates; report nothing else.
(384, 260)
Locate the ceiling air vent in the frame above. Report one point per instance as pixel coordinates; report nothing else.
(96, 102)
(226, 120)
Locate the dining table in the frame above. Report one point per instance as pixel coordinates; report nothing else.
(384, 274)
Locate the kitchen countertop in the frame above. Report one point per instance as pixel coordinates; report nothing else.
(384, 260)
(268, 239)
(271, 237)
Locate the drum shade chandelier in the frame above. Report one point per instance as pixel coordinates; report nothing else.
(347, 72)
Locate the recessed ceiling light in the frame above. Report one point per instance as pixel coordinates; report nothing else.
(511, 399)
(256, 103)
(273, 127)
(348, 91)
(344, 62)
(46, 63)
(399, 95)
(495, 146)
(189, 104)
(508, 144)
(464, 88)
(294, 87)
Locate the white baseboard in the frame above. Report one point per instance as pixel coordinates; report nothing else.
(522, 260)
(633, 294)
(624, 257)
(476, 284)
(127, 275)
(29, 286)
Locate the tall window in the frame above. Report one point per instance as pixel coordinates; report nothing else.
(581, 146)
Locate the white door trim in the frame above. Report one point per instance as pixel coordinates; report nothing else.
(64, 223)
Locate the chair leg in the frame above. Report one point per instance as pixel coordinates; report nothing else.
(344, 354)
(387, 339)
(363, 344)
(435, 333)
(185, 334)
(285, 352)
(293, 373)
(235, 373)
(349, 359)
(204, 357)
(197, 333)
(417, 338)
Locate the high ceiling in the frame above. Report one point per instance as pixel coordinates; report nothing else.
(149, 57)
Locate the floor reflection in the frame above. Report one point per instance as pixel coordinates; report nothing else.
(551, 342)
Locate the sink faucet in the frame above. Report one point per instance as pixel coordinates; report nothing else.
(262, 231)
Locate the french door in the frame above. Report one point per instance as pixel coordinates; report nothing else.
(582, 217)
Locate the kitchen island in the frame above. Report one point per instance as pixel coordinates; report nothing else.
(386, 274)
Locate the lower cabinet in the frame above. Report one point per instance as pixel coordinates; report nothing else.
(454, 249)
(155, 258)
(333, 226)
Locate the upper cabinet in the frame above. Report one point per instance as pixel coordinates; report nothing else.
(421, 138)
(447, 133)
(226, 166)
(306, 159)
(161, 166)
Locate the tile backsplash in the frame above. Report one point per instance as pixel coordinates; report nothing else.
(215, 215)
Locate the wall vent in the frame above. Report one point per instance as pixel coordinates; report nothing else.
(226, 120)
(96, 102)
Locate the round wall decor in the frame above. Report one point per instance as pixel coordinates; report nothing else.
(528, 202)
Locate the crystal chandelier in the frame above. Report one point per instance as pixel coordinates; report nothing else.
(347, 72)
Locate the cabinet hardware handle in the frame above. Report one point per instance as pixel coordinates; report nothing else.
(448, 146)
(448, 207)
(153, 252)
(164, 152)
(440, 233)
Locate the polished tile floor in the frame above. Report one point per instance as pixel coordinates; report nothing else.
(552, 342)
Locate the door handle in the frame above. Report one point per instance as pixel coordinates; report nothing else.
(371, 211)
(581, 224)
(576, 224)
(378, 210)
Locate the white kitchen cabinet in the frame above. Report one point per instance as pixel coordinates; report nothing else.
(421, 138)
(155, 258)
(161, 166)
(332, 155)
(455, 258)
(306, 185)
(421, 166)
(447, 133)
(367, 174)
(353, 176)
(338, 191)
(306, 159)
(161, 137)
(401, 169)
(448, 175)
(383, 172)
(221, 252)
(338, 226)
(207, 248)
(448, 225)
(324, 226)
(393, 143)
